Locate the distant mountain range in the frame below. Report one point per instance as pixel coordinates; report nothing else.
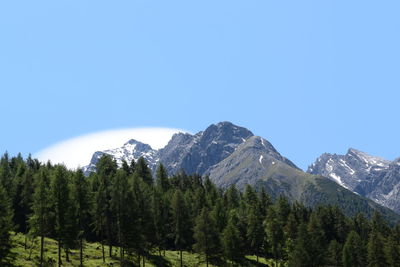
(373, 177)
(233, 155)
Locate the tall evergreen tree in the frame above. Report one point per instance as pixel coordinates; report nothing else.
(142, 171)
(334, 254)
(255, 232)
(162, 178)
(301, 254)
(61, 203)
(26, 199)
(39, 221)
(376, 253)
(146, 233)
(318, 243)
(353, 251)
(119, 199)
(106, 168)
(232, 241)
(160, 206)
(392, 252)
(82, 200)
(274, 235)
(6, 226)
(180, 222)
(206, 235)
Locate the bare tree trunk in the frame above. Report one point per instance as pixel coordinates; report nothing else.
(81, 252)
(59, 254)
(67, 255)
(41, 249)
(121, 255)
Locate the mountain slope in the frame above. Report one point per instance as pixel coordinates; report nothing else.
(230, 154)
(197, 153)
(369, 176)
(262, 166)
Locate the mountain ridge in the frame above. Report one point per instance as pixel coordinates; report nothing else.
(373, 177)
(233, 155)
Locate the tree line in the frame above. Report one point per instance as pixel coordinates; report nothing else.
(126, 208)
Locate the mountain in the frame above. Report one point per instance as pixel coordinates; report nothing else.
(197, 153)
(256, 162)
(187, 152)
(232, 155)
(131, 150)
(372, 177)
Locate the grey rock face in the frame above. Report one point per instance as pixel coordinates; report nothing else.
(250, 162)
(197, 153)
(369, 176)
(131, 150)
(190, 153)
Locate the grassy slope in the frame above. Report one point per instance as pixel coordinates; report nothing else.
(93, 256)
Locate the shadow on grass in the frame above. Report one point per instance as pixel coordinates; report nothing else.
(158, 261)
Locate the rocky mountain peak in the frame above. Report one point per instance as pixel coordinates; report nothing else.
(137, 145)
(369, 176)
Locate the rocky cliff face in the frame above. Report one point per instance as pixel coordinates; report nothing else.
(190, 153)
(197, 153)
(369, 176)
(232, 155)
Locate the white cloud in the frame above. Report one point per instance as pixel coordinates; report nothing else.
(78, 151)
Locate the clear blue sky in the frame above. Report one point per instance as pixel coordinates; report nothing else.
(309, 76)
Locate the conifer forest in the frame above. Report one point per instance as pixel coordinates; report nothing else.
(135, 215)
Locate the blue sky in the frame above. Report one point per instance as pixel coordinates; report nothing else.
(309, 76)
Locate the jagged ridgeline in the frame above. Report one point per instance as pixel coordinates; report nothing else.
(373, 177)
(233, 155)
(126, 215)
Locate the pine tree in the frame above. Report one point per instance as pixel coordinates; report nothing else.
(119, 199)
(250, 197)
(162, 178)
(301, 256)
(106, 168)
(160, 206)
(318, 243)
(26, 199)
(39, 221)
(232, 197)
(6, 226)
(206, 235)
(61, 203)
(180, 223)
(334, 254)
(146, 233)
(231, 241)
(376, 254)
(255, 232)
(220, 215)
(5, 175)
(274, 235)
(264, 201)
(142, 171)
(392, 252)
(81, 199)
(353, 251)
